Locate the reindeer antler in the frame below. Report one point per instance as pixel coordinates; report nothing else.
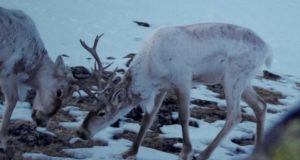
(93, 51)
(104, 81)
(98, 65)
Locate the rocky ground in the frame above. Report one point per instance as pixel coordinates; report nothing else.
(23, 136)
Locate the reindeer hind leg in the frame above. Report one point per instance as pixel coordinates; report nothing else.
(234, 84)
(259, 107)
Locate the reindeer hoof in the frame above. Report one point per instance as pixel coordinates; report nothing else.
(129, 155)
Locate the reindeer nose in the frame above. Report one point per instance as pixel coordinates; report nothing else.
(37, 120)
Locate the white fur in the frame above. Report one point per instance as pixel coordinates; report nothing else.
(174, 58)
(24, 63)
(171, 56)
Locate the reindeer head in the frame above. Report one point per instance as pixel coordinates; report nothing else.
(54, 89)
(110, 110)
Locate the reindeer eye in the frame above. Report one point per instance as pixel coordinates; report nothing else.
(59, 93)
(101, 113)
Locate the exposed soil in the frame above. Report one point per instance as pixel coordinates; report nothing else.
(23, 137)
(153, 140)
(269, 96)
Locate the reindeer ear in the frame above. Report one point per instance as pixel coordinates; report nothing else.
(59, 63)
(118, 96)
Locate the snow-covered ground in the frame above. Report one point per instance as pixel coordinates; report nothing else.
(63, 22)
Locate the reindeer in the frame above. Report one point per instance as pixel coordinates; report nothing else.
(175, 58)
(24, 63)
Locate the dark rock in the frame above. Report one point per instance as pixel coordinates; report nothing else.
(122, 71)
(65, 55)
(131, 57)
(270, 76)
(244, 141)
(80, 72)
(239, 150)
(110, 58)
(143, 24)
(194, 124)
(200, 102)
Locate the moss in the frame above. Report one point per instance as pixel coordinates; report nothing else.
(289, 146)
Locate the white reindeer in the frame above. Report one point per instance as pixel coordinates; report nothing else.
(24, 62)
(174, 58)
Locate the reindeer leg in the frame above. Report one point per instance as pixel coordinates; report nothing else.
(259, 107)
(146, 123)
(183, 95)
(10, 94)
(233, 88)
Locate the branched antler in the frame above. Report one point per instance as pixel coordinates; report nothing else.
(103, 79)
(98, 65)
(93, 51)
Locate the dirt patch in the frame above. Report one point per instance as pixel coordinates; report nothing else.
(269, 96)
(164, 116)
(23, 137)
(212, 113)
(153, 140)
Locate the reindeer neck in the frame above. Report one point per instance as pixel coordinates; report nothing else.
(141, 83)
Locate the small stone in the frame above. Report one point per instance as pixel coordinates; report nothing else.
(143, 24)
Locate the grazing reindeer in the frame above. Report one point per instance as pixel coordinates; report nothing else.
(24, 62)
(173, 59)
